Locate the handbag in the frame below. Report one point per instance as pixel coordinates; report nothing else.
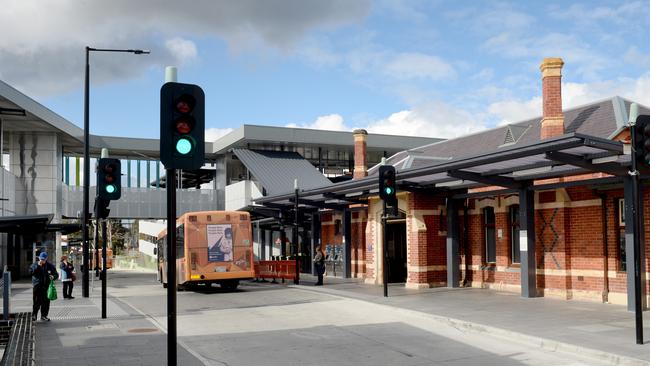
(51, 292)
(74, 277)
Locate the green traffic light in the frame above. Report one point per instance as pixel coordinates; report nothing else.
(388, 190)
(183, 146)
(110, 188)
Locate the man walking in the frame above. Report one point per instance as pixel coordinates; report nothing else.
(42, 273)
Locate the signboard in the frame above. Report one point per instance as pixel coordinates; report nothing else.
(220, 243)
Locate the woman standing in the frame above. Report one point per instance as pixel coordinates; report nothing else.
(319, 264)
(67, 277)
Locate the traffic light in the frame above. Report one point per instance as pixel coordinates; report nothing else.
(387, 186)
(101, 208)
(109, 179)
(642, 146)
(182, 126)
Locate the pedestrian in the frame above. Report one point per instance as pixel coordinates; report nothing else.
(67, 277)
(42, 273)
(319, 264)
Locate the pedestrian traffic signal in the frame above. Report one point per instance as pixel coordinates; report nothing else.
(109, 179)
(182, 126)
(642, 145)
(387, 186)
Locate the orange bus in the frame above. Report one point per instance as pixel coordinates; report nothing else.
(211, 247)
(109, 258)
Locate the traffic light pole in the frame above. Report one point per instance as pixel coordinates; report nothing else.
(384, 250)
(171, 267)
(636, 227)
(104, 278)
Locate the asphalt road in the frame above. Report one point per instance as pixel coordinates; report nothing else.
(265, 324)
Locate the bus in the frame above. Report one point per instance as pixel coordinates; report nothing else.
(212, 247)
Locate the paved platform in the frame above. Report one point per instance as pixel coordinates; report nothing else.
(77, 335)
(603, 331)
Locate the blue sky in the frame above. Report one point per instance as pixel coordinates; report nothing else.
(429, 68)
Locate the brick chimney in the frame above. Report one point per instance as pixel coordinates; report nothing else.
(553, 118)
(360, 163)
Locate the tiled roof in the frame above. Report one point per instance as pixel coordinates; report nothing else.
(601, 119)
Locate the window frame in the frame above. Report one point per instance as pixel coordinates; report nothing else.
(489, 232)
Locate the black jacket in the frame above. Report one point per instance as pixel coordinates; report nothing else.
(41, 274)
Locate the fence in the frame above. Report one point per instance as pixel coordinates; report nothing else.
(285, 269)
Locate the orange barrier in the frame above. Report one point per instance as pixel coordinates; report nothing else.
(276, 269)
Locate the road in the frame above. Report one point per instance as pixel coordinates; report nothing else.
(264, 324)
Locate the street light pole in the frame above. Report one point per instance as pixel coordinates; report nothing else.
(86, 187)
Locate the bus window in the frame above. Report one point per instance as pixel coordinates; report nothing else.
(180, 241)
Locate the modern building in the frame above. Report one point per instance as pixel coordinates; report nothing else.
(41, 179)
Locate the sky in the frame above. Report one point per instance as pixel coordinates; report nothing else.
(420, 68)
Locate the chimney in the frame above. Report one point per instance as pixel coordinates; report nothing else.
(553, 118)
(360, 163)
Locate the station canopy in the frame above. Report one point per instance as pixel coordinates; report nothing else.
(511, 169)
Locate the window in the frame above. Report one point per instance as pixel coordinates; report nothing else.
(180, 241)
(620, 231)
(490, 235)
(514, 234)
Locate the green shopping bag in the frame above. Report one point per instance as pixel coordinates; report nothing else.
(51, 291)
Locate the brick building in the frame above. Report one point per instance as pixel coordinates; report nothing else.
(536, 207)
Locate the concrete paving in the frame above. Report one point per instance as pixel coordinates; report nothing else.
(344, 322)
(603, 331)
(77, 335)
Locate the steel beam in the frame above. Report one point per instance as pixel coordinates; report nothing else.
(453, 243)
(489, 180)
(527, 243)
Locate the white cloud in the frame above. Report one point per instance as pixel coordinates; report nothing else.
(435, 119)
(42, 50)
(573, 95)
(331, 122)
(182, 49)
(213, 134)
(512, 111)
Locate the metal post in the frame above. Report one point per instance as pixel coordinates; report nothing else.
(315, 238)
(453, 243)
(171, 267)
(347, 242)
(96, 246)
(104, 278)
(86, 194)
(527, 247)
(296, 224)
(637, 208)
(385, 250)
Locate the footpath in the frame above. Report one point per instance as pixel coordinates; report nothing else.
(602, 331)
(77, 335)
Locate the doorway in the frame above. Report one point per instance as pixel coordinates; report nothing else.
(396, 248)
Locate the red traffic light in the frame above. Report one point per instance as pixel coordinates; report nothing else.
(185, 104)
(183, 126)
